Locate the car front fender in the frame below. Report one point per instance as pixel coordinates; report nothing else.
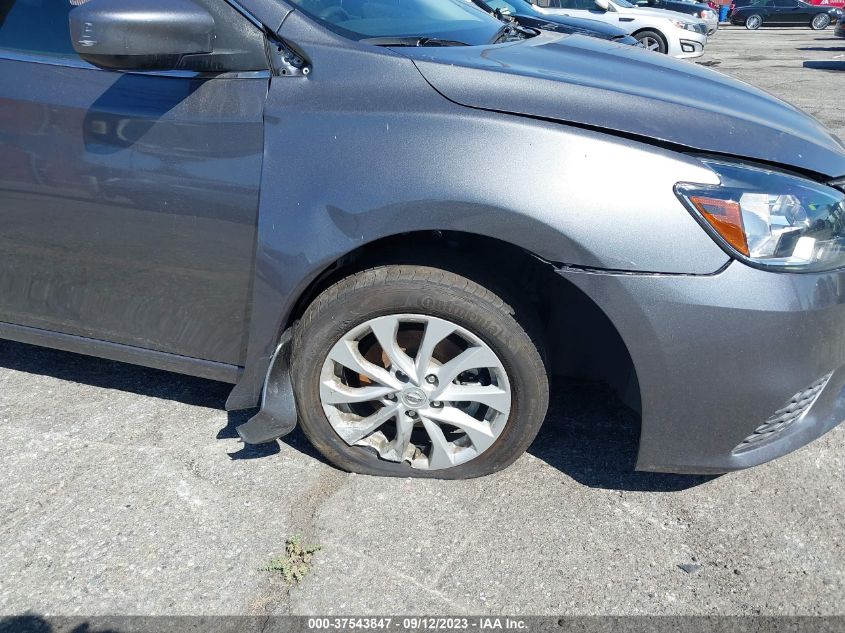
(352, 158)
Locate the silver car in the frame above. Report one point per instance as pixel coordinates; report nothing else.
(689, 7)
(675, 34)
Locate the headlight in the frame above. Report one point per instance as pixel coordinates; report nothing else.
(689, 26)
(770, 219)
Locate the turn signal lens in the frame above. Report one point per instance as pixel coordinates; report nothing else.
(726, 217)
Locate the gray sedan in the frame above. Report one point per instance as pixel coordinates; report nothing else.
(393, 223)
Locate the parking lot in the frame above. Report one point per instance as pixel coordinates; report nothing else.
(125, 490)
(803, 67)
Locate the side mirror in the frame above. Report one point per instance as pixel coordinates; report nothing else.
(143, 34)
(604, 5)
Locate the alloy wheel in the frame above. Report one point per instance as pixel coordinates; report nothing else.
(820, 21)
(651, 43)
(754, 22)
(415, 389)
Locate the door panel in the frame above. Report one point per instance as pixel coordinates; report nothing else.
(783, 12)
(128, 204)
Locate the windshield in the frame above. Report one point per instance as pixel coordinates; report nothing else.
(441, 19)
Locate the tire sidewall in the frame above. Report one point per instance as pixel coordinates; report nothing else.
(529, 391)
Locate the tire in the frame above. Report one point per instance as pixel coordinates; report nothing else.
(820, 22)
(753, 22)
(353, 310)
(652, 40)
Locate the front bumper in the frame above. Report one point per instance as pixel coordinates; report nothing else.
(720, 356)
(688, 46)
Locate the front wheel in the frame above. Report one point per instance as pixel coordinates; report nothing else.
(412, 371)
(652, 40)
(753, 22)
(820, 22)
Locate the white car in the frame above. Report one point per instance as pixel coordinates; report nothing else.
(675, 34)
(692, 8)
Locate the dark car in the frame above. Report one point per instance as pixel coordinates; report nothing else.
(696, 9)
(393, 222)
(759, 13)
(525, 14)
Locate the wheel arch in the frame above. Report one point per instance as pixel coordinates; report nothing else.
(579, 340)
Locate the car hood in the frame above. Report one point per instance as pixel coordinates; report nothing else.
(632, 91)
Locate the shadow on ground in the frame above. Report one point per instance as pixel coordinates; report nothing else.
(589, 434)
(34, 623)
(38, 624)
(825, 64)
(295, 439)
(106, 374)
(592, 437)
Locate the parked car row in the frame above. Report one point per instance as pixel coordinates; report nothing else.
(675, 27)
(682, 35)
(527, 15)
(675, 34)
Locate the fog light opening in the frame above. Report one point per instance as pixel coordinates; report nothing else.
(785, 417)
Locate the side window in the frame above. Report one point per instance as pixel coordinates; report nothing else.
(567, 4)
(786, 3)
(36, 26)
